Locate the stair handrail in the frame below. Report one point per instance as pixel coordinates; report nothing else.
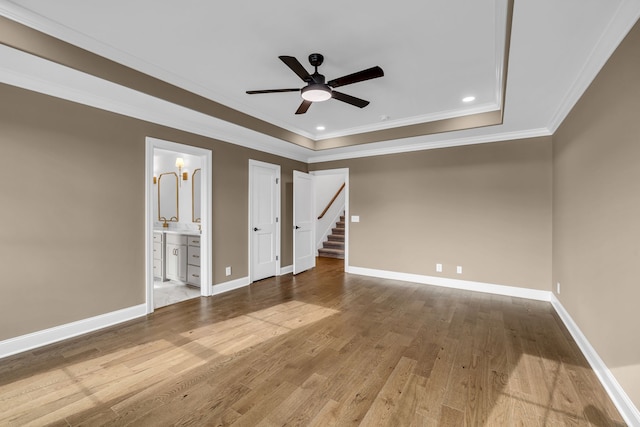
(332, 200)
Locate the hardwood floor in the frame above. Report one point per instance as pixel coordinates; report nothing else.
(322, 348)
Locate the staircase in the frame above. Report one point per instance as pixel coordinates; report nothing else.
(334, 246)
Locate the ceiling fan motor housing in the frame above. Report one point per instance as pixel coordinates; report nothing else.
(316, 59)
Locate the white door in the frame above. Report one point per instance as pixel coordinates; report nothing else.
(304, 224)
(264, 209)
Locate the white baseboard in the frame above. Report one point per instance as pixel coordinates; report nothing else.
(490, 288)
(286, 270)
(230, 285)
(69, 330)
(617, 394)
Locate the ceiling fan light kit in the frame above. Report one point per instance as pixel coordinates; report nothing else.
(316, 89)
(316, 92)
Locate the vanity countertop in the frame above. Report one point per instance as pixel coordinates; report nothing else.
(185, 232)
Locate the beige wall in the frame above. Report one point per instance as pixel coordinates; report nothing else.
(485, 207)
(596, 245)
(72, 209)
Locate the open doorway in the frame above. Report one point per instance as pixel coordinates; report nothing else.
(178, 222)
(332, 207)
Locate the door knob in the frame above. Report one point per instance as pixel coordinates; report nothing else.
(256, 229)
(297, 227)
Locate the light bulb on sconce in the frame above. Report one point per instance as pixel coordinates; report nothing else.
(180, 165)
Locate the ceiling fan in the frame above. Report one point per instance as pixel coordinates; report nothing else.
(316, 89)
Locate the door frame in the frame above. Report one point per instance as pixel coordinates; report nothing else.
(344, 172)
(277, 170)
(206, 238)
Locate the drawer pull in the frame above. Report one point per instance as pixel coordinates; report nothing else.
(196, 256)
(195, 275)
(195, 241)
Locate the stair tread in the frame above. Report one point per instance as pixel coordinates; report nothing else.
(333, 250)
(331, 253)
(333, 244)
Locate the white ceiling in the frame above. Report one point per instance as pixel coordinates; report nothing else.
(433, 53)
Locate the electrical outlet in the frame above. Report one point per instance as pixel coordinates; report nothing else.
(439, 268)
(459, 269)
(227, 271)
(558, 288)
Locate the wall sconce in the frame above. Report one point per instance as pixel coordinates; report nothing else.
(180, 165)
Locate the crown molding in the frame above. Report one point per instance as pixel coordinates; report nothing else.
(408, 121)
(626, 15)
(430, 145)
(33, 73)
(30, 72)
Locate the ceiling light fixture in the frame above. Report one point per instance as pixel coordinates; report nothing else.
(320, 127)
(316, 92)
(468, 99)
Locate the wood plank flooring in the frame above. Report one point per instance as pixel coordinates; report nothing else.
(320, 349)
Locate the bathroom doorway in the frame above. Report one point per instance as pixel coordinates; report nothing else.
(178, 183)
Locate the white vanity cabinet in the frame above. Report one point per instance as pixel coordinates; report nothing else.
(158, 255)
(176, 257)
(193, 260)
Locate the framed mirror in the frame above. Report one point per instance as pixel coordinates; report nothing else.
(195, 196)
(168, 197)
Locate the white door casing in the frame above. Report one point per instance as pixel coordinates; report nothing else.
(304, 222)
(264, 226)
(206, 224)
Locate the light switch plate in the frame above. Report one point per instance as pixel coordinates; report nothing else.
(355, 218)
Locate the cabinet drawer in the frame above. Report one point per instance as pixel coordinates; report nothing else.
(193, 256)
(157, 250)
(193, 240)
(193, 275)
(176, 239)
(157, 268)
(157, 237)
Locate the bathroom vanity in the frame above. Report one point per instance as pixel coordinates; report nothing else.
(176, 256)
(176, 248)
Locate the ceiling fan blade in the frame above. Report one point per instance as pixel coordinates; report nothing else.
(296, 67)
(303, 107)
(360, 76)
(253, 92)
(349, 99)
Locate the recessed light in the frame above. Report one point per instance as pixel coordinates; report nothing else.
(320, 128)
(468, 99)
